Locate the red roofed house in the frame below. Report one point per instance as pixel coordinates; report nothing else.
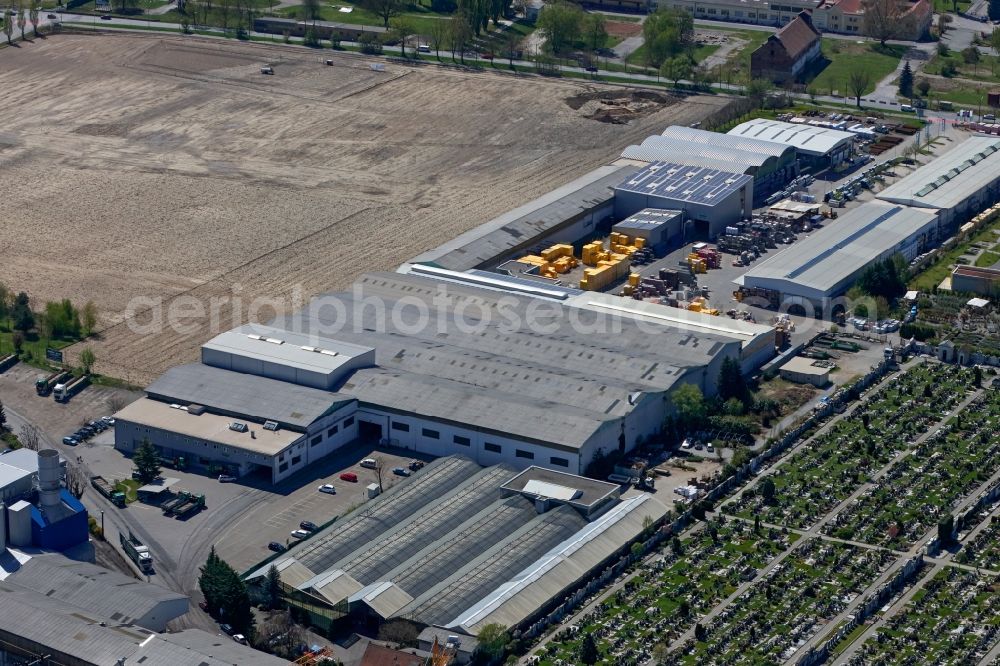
(376, 655)
(787, 54)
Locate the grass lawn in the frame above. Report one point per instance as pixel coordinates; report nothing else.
(846, 57)
(33, 350)
(941, 269)
(703, 51)
(987, 259)
(129, 487)
(942, 6)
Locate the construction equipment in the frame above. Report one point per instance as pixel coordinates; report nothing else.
(107, 489)
(137, 552)
(44, 384)
(64, 391)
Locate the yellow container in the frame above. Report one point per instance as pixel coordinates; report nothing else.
(633, 279)
(640, 243)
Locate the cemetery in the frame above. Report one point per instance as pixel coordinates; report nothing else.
(983, 549)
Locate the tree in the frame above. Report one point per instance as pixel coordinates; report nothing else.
(676, 68)
(944, 22)
(33, 18)
(494, 640)
(399, 631)
(273, 587)
(211, 582)
(757, 91)
(379, 470)
(689, 404)
(3, 418)
(439, 36)
(881, 19)
(597, 31)
(146, 461)
(906, 81)
(22, 317)
(971, 57)
(995, 40)
(76, 481)
(660, 654)
(88, 318)
(767, 489)
(8, 27)
(310, 10)
(87, 360)
(61, 319)
(461, 33)
(402, 29)
(511, 41)
(731, 382)
(588, 650)
(667, 33)
(560, 23)
(677, 546)
(384, 9)
(281, 635)
(226, 594)
(699, 632)
(22, 19)
(858, 82)
(29, 436)
(977, 376)
(946, 530)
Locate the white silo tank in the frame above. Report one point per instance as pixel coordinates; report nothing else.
(3, 527)
(19, 524)
(49, 473)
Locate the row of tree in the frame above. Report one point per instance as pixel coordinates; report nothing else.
(22, 16)
(59, 319)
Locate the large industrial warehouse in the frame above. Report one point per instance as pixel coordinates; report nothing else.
(458, 545)
(945, 185)
(500, 371)
(713, 199)
(816, 147)
(823, 265)
(770, 164)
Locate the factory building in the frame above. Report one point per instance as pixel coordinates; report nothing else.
(662, 230)
(497, 369)
(36, 510)
(563, 215)
(458, 546)
(958, 184)
(816, 147)
(823, 265)
(58, 611)
(772, 165)
(711, 198)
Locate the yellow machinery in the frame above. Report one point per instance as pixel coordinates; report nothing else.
(441, 656)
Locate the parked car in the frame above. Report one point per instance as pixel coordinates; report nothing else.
(105, 17)
(110, 420)
(240, 638)
(401, 471)
(81, 435)
(276, 547)
(369, 463)
(203, 605)
(99, 426)
(328, 489)
(710, 448)
(226, 629)
(415, 465)
(349, 476)
(71, 440)
(686, 444)
(226, 478)
(299, 534)
(308, 526)
(51, 16)
(698, 446)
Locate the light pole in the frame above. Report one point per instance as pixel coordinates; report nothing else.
(102, 525)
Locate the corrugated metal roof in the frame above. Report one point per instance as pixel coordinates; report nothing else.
(479, 246)
(313, 352)
(383, 597)
(728, 141)
(527, 591)
(683, 150)
(807, 139)
(950, 179)
(194, 647)
(238, 394)
(822, 264)
(686, 183)
(656, 154)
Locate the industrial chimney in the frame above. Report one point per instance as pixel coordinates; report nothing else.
(49, 473)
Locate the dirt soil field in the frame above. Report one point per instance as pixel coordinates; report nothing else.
(161, 166)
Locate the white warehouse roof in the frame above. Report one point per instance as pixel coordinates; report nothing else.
(727, 141)
(807, 139)
(310, 352)
(950, 179)
(824, 264)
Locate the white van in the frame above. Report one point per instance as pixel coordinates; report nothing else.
(369, 463)
(907, 108)
(423, 48)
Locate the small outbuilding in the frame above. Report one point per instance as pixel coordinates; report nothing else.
(806, 371)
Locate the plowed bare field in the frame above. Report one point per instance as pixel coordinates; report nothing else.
(140, 169)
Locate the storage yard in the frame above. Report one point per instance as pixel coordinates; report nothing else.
(178, 147)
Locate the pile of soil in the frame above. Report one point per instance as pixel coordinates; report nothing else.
(619, 107)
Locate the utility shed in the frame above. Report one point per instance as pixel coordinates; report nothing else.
(805, 371)
(824, 264)
(661, 229)
(713, 199)
(959, 184)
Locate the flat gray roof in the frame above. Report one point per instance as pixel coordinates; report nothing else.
(821, 264)
(241, 395)
(312, 352)
(688, 183)
(559, 381)
(591, 491)
(522, 225)
(950, 179)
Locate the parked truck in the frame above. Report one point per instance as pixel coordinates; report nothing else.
(137, 551)
(107, 489)
(45, 383)
(66, 390)
(192, 505)
(176, 500)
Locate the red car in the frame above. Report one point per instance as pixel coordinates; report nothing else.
(349, 476)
